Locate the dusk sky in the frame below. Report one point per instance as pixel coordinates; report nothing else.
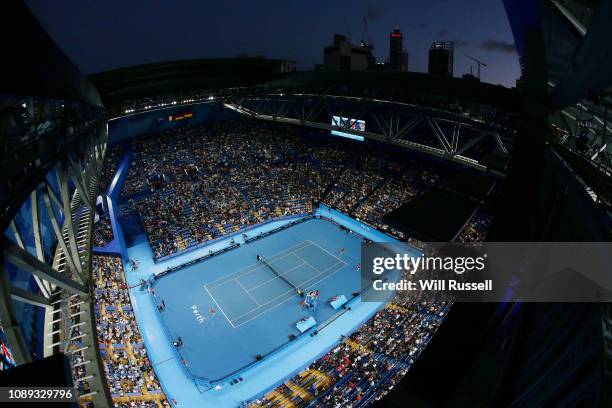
(102, 35)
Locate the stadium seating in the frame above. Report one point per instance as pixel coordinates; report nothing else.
(213, 180)
(368, 364)
(477, 228)
(111, 161)
(129, 373)
(103, 232)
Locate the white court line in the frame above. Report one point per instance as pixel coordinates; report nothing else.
(245, 290)
(316, 269)
(308, 263)
(277, 257)
(325, 271)
(253, 266)
(220, 308)
(325, 250)
(284, 293)
(301, 285)
(285, 301)
(292, 292)
(248, 293)
(275, 278)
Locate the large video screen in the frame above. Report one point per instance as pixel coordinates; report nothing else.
(358, 125)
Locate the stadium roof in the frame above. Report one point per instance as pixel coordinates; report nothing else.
(369, 81)
(176, 77)
(173, 77)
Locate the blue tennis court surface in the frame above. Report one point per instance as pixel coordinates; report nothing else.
(254, 311)
(246, 294)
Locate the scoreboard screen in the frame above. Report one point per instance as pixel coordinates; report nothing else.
(175, 117)
(353, 124)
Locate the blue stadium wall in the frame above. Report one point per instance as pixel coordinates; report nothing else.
(127, 127)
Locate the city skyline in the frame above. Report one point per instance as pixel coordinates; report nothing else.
(115, 34)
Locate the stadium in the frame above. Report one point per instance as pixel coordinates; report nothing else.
(199, 232)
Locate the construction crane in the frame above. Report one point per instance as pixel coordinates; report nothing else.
(477, 61)
(365, 41)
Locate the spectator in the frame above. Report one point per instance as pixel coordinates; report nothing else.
(129, 372)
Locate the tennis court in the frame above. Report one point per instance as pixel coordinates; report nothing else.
(231, 308)
(246, 294)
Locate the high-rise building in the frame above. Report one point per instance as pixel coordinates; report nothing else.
(441, 58)
(404, 66)
(344, 56)
(396, 50)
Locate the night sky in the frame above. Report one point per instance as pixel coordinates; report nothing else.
(102, 35)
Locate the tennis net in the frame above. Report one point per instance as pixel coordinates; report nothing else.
(279, 275)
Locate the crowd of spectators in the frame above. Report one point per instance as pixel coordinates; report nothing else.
(111, 162)
(103, 232)
(365, 366)
(355, 184)
(194, 184)
(205, 182)
(216, 180)
(476, 230)
(403, 184)
(130, 376)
